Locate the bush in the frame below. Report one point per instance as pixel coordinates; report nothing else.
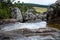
(4, 13)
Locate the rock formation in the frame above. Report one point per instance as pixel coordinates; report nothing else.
(53, 12)
(16, 14)
(29, 16)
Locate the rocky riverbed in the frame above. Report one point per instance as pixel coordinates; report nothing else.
(45, 33)
(30, 36)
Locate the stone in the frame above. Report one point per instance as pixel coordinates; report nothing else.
(41, 16)
(16, 14)
(53, 12)
(29, 16)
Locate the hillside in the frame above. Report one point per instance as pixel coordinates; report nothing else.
(37, 7)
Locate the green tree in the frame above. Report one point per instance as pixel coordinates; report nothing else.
(4, 8)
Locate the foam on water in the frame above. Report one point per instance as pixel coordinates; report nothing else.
(19, 25)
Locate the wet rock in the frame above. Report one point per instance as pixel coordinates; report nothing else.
(5, 38)
(28, 38)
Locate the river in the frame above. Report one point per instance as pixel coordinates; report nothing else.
(19, 25)
(38, 25)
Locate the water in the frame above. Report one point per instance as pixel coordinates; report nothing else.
(19, 25)
(37, 25)
(36, 38)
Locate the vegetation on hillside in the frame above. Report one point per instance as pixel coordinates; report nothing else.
(5, 8)
(6, 4)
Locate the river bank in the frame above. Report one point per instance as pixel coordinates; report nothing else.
(7, 21)
(54, 25)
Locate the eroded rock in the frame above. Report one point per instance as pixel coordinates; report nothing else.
(16, 14)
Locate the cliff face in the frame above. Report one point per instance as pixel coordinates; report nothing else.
(54, 12)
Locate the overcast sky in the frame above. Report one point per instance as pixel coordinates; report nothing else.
(41, 2)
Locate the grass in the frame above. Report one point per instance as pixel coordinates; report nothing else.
(54, 25)
(40, 9)
(4, 13)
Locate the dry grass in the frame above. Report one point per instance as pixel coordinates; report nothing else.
(54, 25)
(40, 9)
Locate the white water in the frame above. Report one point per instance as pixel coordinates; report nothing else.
(37, 25)
(25, 25)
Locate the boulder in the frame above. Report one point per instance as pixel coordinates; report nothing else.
(16, 14)
(41, 16)
(29, 16)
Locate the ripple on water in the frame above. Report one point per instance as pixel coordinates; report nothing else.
(35, 38)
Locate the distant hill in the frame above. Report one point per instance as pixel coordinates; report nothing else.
(36, 5)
